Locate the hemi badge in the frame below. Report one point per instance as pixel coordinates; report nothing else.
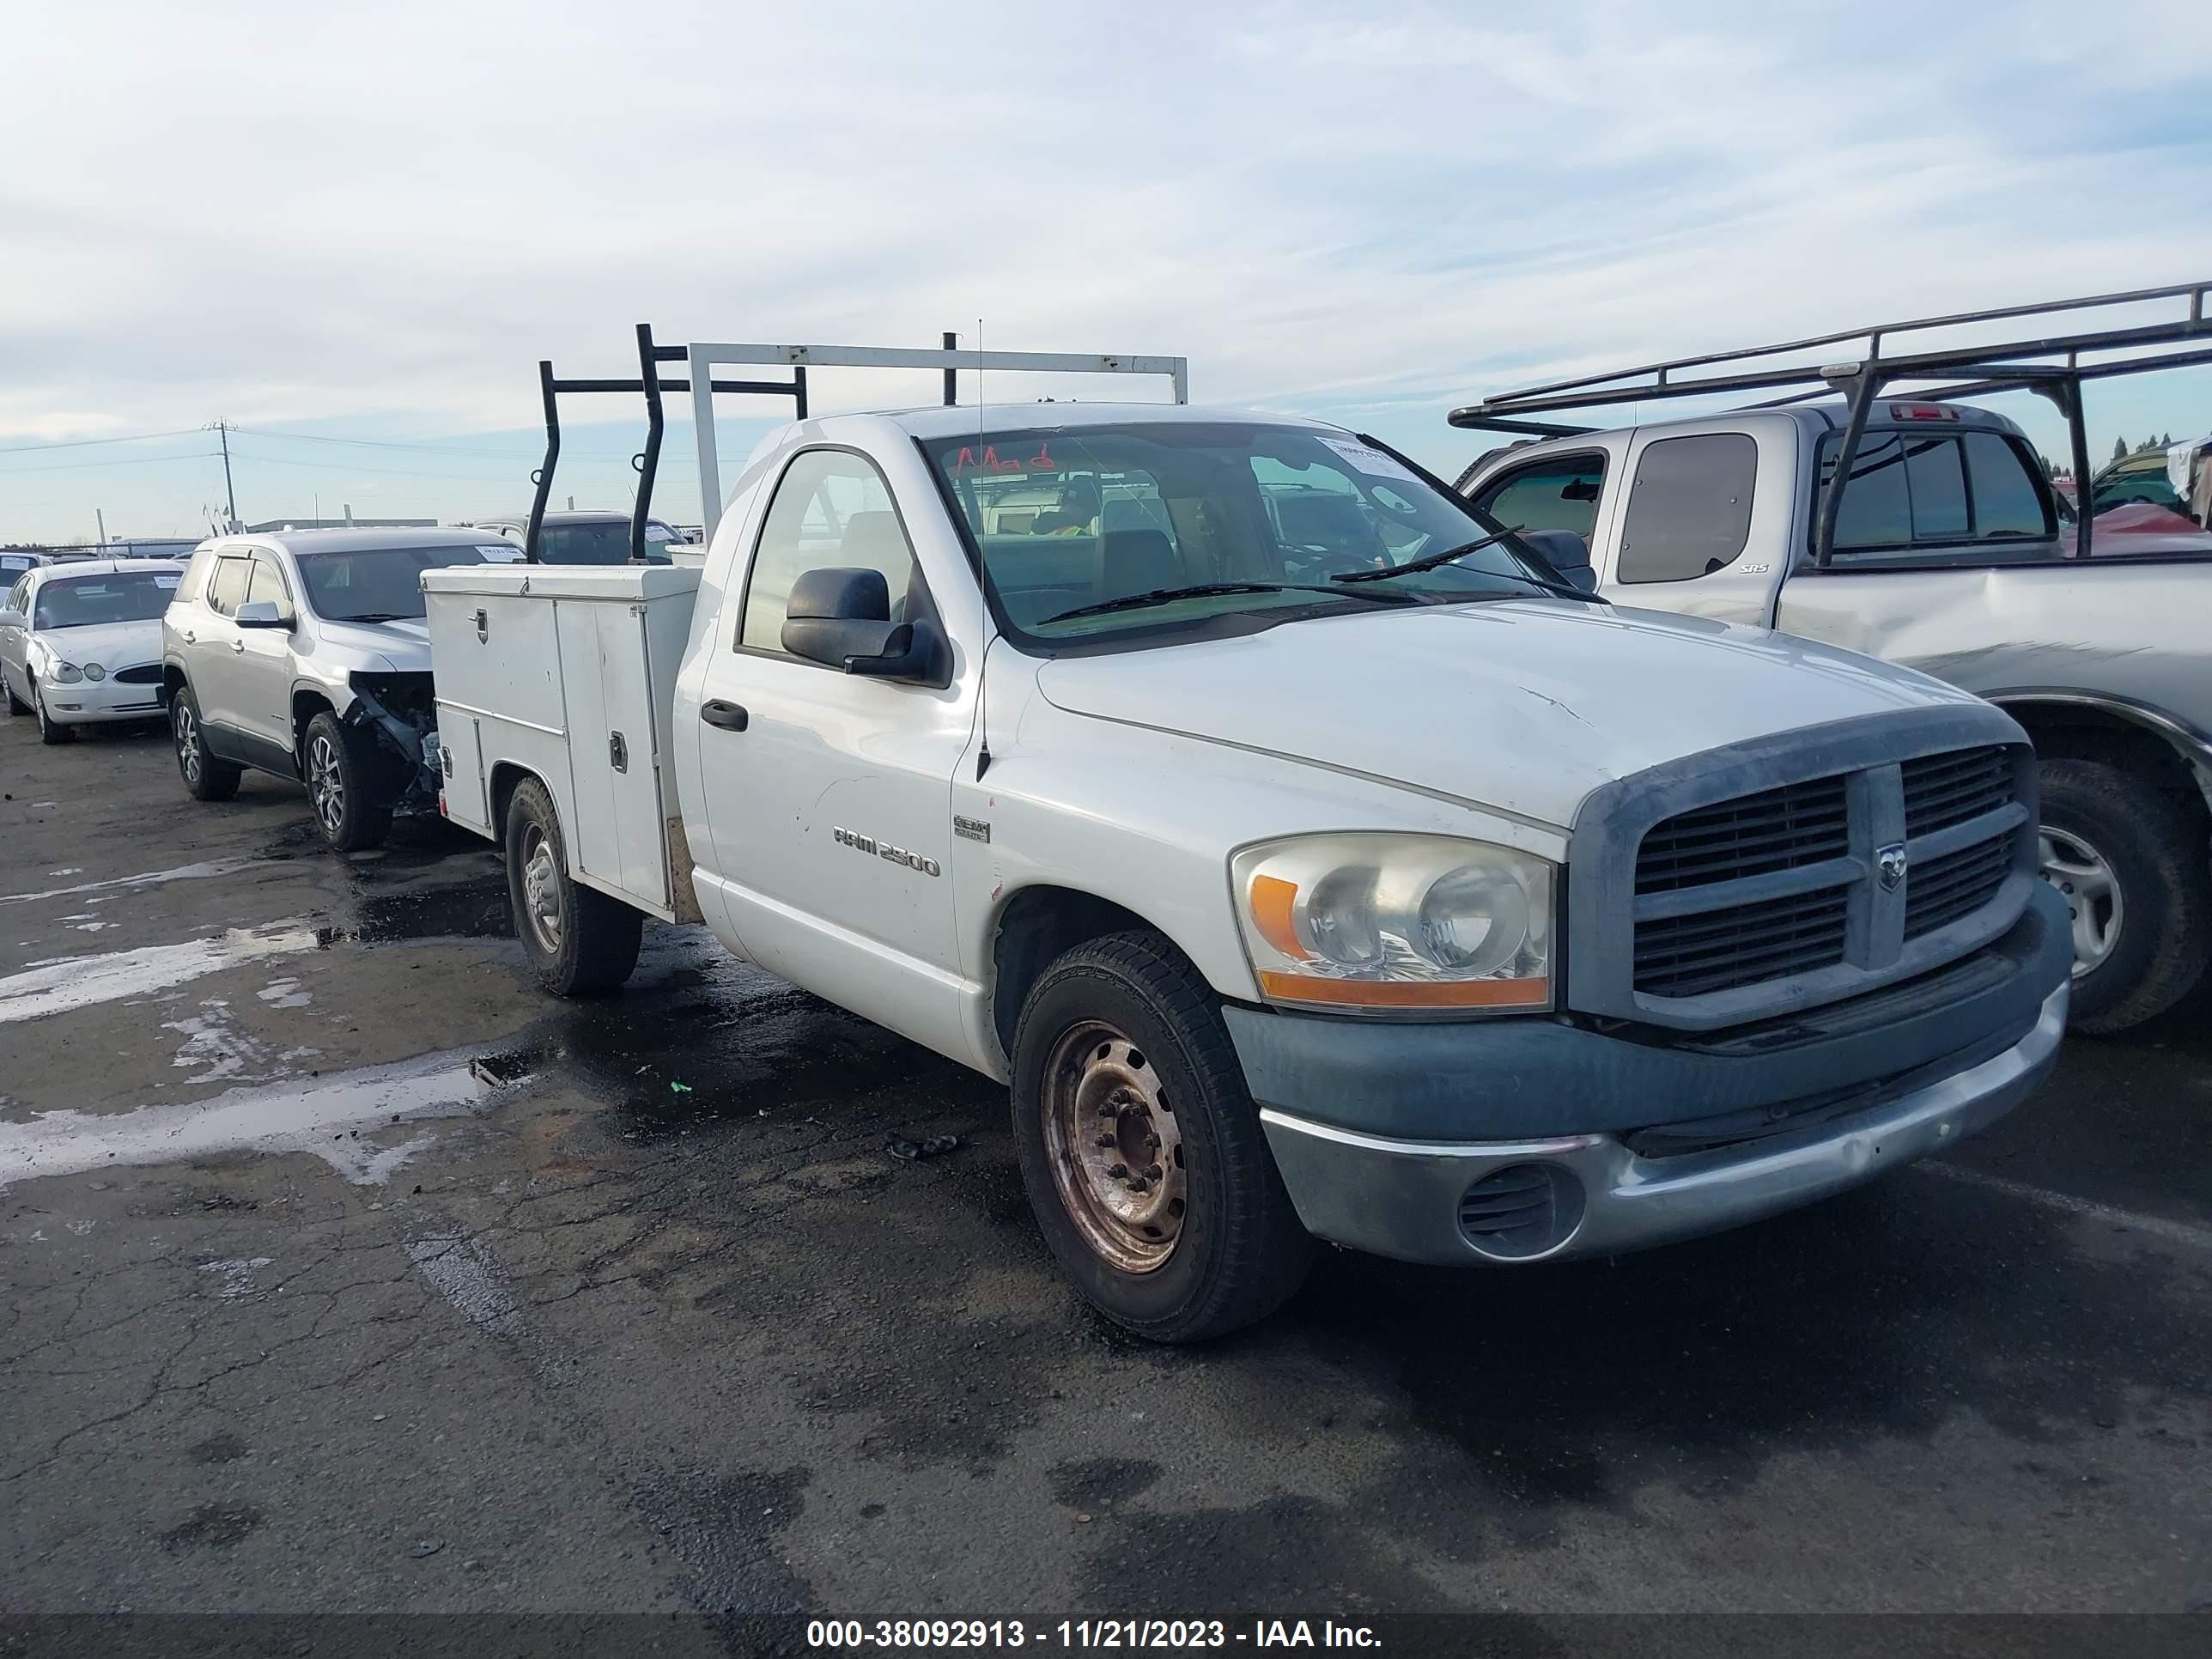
(971, 829)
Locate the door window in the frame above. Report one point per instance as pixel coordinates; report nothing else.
(1689, 508)
(229, 588)
(268, 584)
(832, 508)
(1560, 492)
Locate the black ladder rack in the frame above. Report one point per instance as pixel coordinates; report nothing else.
(1973, 371)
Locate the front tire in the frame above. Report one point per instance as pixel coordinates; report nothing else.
(339, 770)
(50, 731)
(579, 942)
(2132, 866)
(1121, 1056)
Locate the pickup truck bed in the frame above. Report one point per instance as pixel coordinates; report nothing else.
(591, 652)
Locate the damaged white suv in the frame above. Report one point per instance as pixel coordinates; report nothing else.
(304, 655)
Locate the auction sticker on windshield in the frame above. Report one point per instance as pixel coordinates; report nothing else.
(1371, 461)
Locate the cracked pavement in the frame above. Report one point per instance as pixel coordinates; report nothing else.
(548, 1332)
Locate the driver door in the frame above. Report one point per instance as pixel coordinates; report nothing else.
(829, 795)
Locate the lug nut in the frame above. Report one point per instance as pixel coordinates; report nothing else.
(1105, 1140)
(1152, 1172)
(1117, 1170)
(1138, 1184)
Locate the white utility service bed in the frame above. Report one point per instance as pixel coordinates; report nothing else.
(568, 671)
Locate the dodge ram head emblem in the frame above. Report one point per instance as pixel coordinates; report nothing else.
(1889, 865)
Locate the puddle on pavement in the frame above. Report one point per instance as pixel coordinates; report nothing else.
(60, 983)
(329, 1117)
(475, 909)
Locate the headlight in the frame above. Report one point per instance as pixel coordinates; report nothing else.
(1403, 923)
(67, 673)
(93, 671)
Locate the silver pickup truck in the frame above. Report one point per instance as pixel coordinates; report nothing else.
(1949, 551)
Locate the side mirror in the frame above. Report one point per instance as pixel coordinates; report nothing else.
(1567, 553)
(261, 613)
(841, 617)
(11, 619)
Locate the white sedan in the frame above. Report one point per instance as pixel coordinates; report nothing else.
(82, 642)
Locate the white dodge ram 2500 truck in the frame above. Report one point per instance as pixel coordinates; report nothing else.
(1434, 909)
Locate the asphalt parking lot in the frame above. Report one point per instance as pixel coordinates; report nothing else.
(344, 1271)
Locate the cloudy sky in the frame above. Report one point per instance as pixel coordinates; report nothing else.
(355, 235)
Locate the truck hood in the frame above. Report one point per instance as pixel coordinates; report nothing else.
(1521, 706)
(112, 645)
(401, 648)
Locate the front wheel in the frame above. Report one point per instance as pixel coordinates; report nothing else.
(50, 731)
(2131, 864)
(339, 768)
(1141, 1149)
(579, 941)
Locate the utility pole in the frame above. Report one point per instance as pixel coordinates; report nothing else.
(101, 519)
(221, 430)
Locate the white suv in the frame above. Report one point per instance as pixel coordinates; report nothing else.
(304, 655)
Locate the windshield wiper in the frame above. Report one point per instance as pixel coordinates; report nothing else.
(1204, 590)
(379, 616)
(1432, 561)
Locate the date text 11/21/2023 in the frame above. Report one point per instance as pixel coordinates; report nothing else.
(855, 1634)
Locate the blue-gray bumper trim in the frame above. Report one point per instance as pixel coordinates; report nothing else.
(1528, 1077)
(1402, 1198)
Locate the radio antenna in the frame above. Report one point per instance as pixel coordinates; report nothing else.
(983, 663)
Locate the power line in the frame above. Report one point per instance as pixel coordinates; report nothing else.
(140, 460)
(81, 443)
(385, 443)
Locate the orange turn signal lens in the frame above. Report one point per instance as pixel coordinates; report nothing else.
(1272, 901)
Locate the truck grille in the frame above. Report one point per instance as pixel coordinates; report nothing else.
(1799, 823)
(1722, 950)
(1942, 790)
(1709, 917)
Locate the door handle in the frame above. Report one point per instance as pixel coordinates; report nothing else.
(730, 716)
(191, 638)
(239, 646)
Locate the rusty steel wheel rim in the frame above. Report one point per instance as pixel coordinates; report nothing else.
(1114, 1146)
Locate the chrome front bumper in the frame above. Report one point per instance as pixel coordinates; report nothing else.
(1402, 1198)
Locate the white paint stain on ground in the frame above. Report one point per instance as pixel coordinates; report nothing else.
(335, 1118)
(284, 993)
(217, 1051)
(206, 869)
(85, 922)
(238, 1275)
(60, 983)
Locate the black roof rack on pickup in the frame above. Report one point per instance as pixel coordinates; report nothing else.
(703, 359)
(1973, 370)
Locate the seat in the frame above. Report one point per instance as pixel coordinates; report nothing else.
(1137, 561)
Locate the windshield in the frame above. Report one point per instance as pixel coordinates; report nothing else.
(1076, 518)
(374, 584)
(600, 543)
(88, 601)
